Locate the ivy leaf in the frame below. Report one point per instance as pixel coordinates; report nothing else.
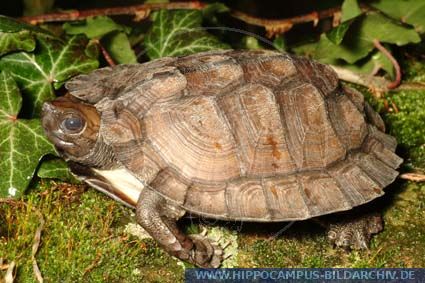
(52, 63)
(55, 169)
(94, 27)
(336, 35)
(350, 10)
(280, 43)
(407, 11)
(22, 142)
(16, 36)
(22, 40)
(360, 42)
(371, 64)
(118, 46)
(179, 32)
(351, 50)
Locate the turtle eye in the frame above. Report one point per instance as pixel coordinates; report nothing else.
(73, 124)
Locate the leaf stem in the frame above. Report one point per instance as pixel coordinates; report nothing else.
(105, 54)
(396, 65)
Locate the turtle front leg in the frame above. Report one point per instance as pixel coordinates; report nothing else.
(355, 233)
(158, 217)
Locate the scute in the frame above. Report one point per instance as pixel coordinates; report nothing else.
(243, 135)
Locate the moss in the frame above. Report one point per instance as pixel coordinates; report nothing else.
(83, 240)
(407, 125)
(402, 243)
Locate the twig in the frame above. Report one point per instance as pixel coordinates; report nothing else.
(279, 26)
(377, 85)
(37, 235)
(411, 86)
(36, 245)
(95, 263)
(415, 177)
(396, 66)
(273, 26)
(140, 11)
(10, 277)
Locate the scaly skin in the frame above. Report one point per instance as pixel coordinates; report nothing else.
(355, 233)
(158, 218)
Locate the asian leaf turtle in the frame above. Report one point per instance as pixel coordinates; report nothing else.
(234, 135)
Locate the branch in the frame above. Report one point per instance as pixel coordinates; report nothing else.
(377, 85)
(415, 177)
(273, 26)
(279, 26)
(140, 11)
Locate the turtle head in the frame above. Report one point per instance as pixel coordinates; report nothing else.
(72, 126)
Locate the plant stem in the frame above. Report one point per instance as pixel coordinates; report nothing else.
(396, 66)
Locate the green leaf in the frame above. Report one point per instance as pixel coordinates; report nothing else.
(16, 36)
(351, 50)
(179, 32)
(47, 68)
(371, 64)
(250, 42)
(8, 24)
(350, 10)
(95, 27)
(280, 43)
(55, 169)
(22, 142)
(119, 48)
(360, 42)
(22, 40)
(407, 11)
(336, 35)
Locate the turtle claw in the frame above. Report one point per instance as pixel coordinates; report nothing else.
(204, 232)
(226, 244)
(205, 253)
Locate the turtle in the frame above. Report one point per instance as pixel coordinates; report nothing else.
(246, 135)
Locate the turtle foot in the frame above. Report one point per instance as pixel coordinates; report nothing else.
(357, 233)
(205, 253)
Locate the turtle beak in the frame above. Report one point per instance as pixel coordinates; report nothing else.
(48, 116)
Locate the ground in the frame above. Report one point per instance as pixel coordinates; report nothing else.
(86, 237)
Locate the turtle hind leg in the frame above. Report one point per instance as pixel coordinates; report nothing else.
(158, 217)
(355, 232)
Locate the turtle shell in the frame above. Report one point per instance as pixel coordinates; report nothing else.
(247, 135)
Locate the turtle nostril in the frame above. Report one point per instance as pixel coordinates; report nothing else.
(47, 107)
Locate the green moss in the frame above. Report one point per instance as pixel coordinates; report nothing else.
(407, 125)
(83, 240)
(402, 243)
